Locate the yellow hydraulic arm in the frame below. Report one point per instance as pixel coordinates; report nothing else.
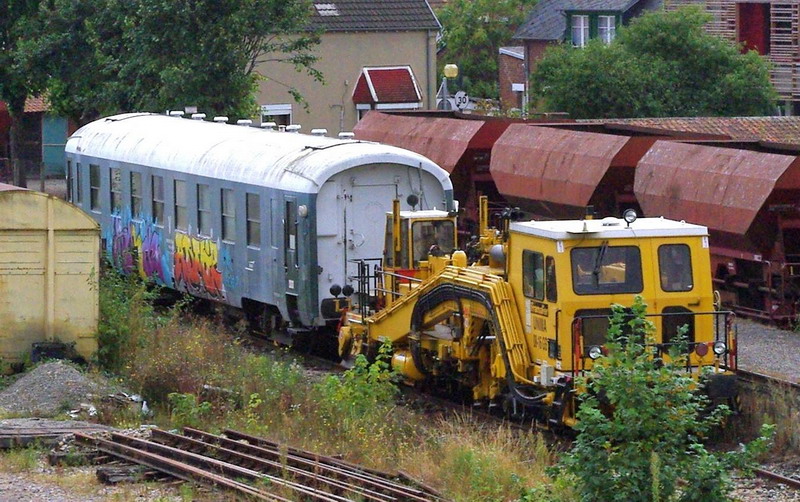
(394, 322)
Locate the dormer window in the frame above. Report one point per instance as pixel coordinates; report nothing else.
(580, 30)
(606, 28)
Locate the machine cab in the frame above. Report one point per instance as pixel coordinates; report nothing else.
(567, 274)
(415, 242)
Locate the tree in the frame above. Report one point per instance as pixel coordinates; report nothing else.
(663, 65)
(107, 56)
(472, 33)
(641, 424)
(15, 80)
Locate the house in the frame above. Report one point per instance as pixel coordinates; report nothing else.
(374, 55)
(511, 75)
(42, 139)
(573, 21)
(770, 28)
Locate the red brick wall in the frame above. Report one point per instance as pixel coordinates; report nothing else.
(511, 70)
(535, 50)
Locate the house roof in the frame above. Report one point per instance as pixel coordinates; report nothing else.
(387, 84)
(547, 21)
(784, 130)
(373, 15)
(599, 5)
(35, 104)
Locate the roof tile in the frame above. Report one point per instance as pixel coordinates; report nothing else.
(373, 15)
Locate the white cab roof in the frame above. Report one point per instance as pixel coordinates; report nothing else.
(608, 228)
(289, 161)
(422, 214)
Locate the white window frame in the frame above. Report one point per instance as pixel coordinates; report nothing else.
(274, 110)
(580, 30)
(607, 28)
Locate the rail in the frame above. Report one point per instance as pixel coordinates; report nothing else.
(258, 468)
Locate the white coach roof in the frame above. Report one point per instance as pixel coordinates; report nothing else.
(284, 160)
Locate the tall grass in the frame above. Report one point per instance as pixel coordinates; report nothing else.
(194, 372)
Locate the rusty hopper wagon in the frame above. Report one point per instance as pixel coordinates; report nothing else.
(745, 191)
(49, 264)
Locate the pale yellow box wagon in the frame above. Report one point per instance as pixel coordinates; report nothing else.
(49, 266)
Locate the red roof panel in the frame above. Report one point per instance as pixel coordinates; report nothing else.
(442, 140)
(552, 165)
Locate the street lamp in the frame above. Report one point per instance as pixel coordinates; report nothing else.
(450, 71)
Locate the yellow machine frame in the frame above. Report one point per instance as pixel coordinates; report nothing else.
(519, 325)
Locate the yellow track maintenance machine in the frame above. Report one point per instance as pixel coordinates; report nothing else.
(521, 323)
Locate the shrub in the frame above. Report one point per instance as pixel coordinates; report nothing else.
(186, 411)
(126, 314)
(641, 424)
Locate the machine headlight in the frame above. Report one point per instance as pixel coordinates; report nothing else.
(629, 216)
(595, 352)
(720, 348)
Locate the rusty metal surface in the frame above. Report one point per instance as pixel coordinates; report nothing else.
(443, 140)
(553, 165)
(255, 466)
(721, 188)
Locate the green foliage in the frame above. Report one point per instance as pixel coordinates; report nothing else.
(126, 313)
(363, 389)
(106, 56)
(662, 65)
(472, 33)
(641, 424)
(186, 411)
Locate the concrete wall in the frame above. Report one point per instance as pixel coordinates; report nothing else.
(341, 58)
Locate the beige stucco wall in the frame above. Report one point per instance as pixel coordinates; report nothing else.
(341, 57)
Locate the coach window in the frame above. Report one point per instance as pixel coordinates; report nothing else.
(70, 178)
(158, 200)
(228, 215)
(675, 267)
(203, 209)
(115, 176)
(136, 195)
(94, 187)
(533, 274)
(253, 220)
(78, 184)
(181, 222)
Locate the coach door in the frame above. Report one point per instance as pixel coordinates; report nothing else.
(364, 221)
(290, 245)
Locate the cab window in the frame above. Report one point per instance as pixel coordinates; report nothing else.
(675, 267)
(389, 250)
(550, 279)
(606, 270)
(436, 237)
(533, 274)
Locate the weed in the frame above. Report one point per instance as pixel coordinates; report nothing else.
(186, 411)
(20, 459)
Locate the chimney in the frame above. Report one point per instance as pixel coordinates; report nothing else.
(269, 126)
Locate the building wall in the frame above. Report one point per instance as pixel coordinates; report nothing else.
(341, 58)
(782, 28)
(511, 71)
(534, 50)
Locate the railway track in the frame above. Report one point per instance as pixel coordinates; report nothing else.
(260, 469)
